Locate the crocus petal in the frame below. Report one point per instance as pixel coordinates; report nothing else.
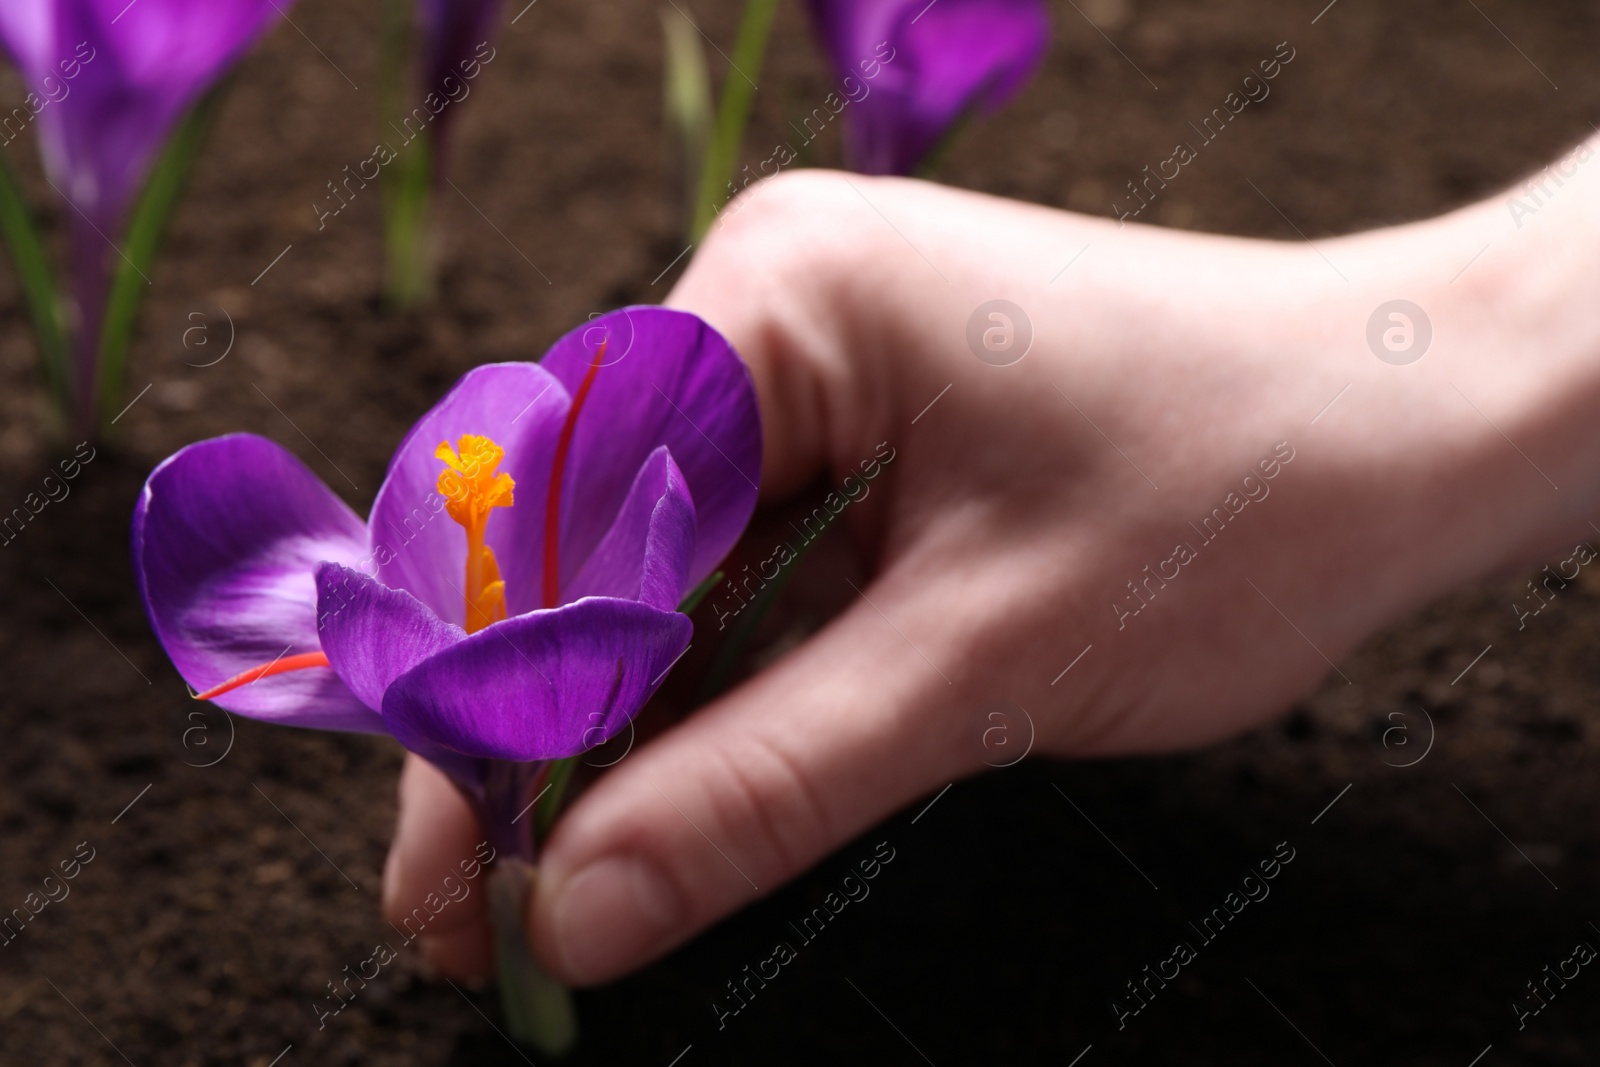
(226, 537)
(546, 685)
(416, 546)
(373, 634)
(934, 64)
(667, 378)
(646, 554)
(27, 31)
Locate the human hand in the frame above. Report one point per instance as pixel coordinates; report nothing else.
(1036, 513)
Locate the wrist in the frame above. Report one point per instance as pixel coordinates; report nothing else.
(1530, 344)
(1484, 432)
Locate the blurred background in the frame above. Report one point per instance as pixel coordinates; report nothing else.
(1433, 807)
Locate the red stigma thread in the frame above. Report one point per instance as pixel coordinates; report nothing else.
(280, 665)
(552, 506)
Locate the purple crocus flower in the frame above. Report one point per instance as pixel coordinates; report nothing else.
(117, 77)
(923, 67)
(142, 66)
(512, 598)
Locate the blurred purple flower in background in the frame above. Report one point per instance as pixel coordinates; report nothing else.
(451, 32)
(132, 71)
(432, 50)
(931, 66)
(144, 64)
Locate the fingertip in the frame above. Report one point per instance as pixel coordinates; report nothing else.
(465, 955)
(435, 837)
(606, 917)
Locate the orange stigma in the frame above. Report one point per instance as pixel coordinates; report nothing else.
(472, 489)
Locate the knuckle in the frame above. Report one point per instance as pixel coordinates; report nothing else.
(768, 214)
(767, 798)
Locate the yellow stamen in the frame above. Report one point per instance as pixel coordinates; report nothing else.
(472, 489)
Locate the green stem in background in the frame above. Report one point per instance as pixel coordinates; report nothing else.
(394, 58)
(537, 1009)
(687, 93)
(738, 93)
(407, 181)
(146, 226)
(407, 191)
(32, 264)
(929, 164)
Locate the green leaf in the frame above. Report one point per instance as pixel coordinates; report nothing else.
(698, 593)
(738, 93)
(37, 278)
(687, 93)
(550, 805)
(146, 227)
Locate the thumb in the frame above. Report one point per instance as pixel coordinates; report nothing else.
(750, 791)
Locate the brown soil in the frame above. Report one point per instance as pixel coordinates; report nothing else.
(207, 920)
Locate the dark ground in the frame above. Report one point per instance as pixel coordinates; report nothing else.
(207, 922)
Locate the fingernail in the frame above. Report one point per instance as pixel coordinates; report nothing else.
(613, 914)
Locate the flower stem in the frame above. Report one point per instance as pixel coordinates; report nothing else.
(537, 1009)
(407, 181)
(407, 225)
(733, 113)
(550, 806)
(91, 282)
(110, 308)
